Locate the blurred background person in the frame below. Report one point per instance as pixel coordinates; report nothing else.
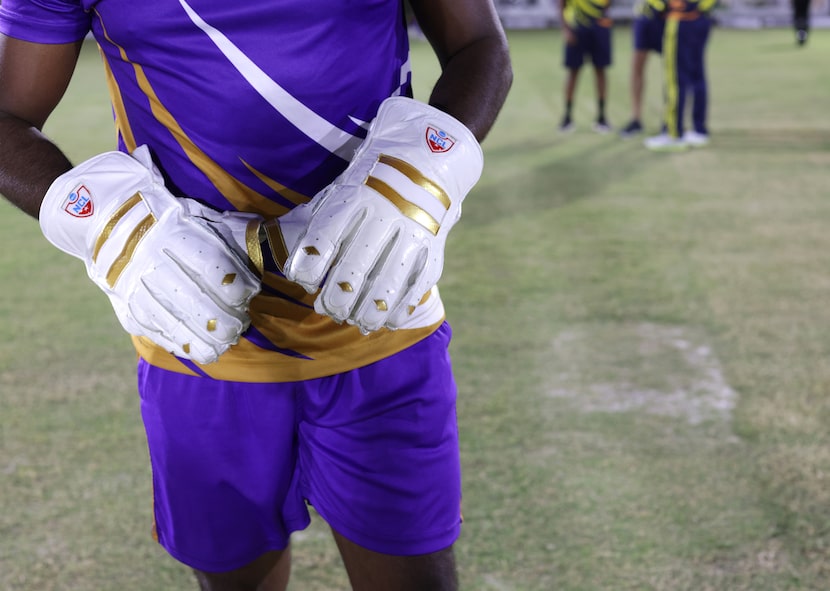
(688, 24)
(801, 20)
(587, 31)
(647, 35)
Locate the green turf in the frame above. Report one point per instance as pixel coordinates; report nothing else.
(640, 341)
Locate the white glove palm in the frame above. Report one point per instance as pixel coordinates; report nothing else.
(375, 237)
(176, 272)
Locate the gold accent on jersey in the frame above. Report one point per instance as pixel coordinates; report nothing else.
(119, 112)
(293, 196)
(186, 348)
(408, 208)
(311, 251)
(329, 349)
(414, 175)
(211, 325)
(243, 197)
(229, 279)
(346, 286)
(381, 305)
(127, 252)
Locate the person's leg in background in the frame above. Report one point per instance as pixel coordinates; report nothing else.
(698, 38)
(676, 74)
(600, 50)
(801, 20)
(638, 66)
(574, 58)
(647, 35)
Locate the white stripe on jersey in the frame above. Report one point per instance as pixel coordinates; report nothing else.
(335, 140)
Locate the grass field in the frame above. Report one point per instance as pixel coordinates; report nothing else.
(641, 343)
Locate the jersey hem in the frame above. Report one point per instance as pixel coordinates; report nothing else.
(272, 368)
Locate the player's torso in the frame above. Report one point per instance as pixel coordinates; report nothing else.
(271, 93)
(256, 106)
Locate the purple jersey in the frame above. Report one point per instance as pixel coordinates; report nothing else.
(253, 107)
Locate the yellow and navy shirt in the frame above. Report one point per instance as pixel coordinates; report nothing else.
(650, 8)
(250, 106)
(689, 9)
(587, 12)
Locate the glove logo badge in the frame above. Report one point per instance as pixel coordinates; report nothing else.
(438, 140)
(79, 203)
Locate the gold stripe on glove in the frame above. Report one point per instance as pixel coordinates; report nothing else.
(126, 255)
(408, 208)
(414, 175)
(113, 221)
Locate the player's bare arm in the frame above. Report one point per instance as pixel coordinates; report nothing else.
(33, 79)
(193, 306)
(471, 47)
(570, 37)
(373, 241)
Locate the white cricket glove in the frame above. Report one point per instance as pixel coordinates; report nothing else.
(176, 272)
(374, 239)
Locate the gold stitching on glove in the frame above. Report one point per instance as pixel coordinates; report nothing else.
(229, 279)
(408, 208)
(311, 251)
(346, 286)
(414, 175)
(381, 305)
(126, 254)
(211, 325)
(113, 221)
(186, 348)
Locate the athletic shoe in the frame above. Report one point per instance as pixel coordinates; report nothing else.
(633, 128)
(665, 143)
(696, 139)
(567, 125)
(602, 126)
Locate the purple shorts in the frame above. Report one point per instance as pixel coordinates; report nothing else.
(374, 450)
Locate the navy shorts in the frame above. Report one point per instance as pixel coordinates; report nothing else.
(593, 41)
(648, 33)
(373, 450)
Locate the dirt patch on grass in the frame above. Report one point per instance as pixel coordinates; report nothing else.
(659, 370)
